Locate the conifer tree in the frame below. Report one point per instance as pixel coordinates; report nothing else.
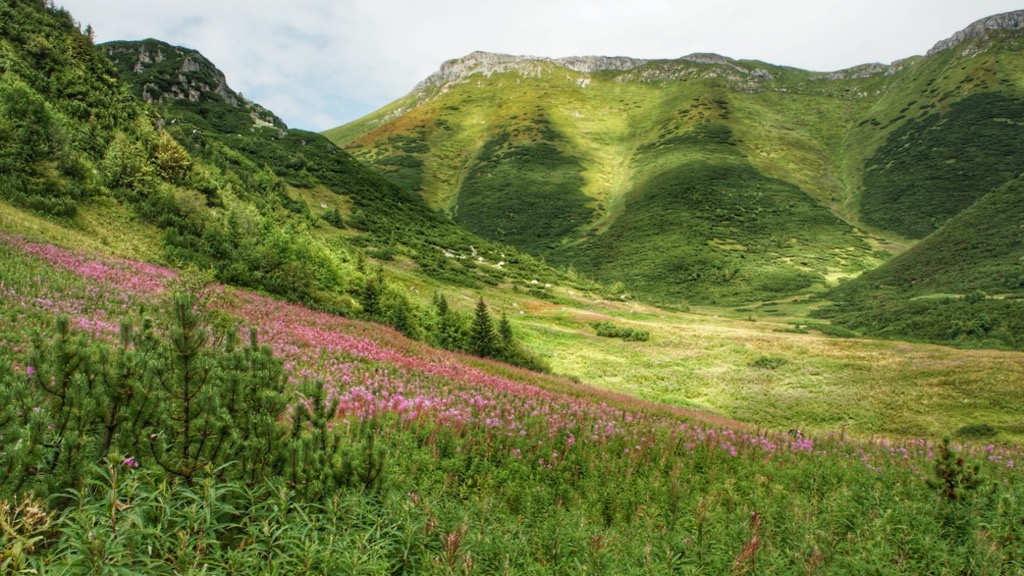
(505, 332)
(483, 341)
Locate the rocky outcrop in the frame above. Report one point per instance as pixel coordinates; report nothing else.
(631, 69)
(982, 28)
(187, 74)
(590, 64)
(488, 63)
(162, 73)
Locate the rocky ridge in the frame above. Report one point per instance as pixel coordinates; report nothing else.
(173, 73)
(632, 69)
(981, 29)
(488, 63)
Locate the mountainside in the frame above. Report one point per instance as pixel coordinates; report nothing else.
(143, 149)
(705, 178)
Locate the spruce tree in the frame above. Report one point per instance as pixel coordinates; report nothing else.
(483, 341)
(505, 331)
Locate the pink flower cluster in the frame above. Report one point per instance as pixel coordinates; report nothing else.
(372, 370)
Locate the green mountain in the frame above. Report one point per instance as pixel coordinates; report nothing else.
(142, 149)
(707, 179)
(963, 283)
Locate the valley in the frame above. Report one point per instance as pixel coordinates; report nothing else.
(538, 316)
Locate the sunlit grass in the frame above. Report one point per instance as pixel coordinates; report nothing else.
(707, 361)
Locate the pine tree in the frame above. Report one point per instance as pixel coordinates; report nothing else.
(505, 331)
(370, 295)
(483, 341)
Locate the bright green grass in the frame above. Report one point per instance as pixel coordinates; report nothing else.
(708, 361)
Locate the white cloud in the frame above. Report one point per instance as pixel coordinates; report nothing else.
(319, 63)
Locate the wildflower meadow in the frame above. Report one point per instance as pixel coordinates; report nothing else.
(157, 424)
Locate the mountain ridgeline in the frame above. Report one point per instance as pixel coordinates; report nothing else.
(711, 180)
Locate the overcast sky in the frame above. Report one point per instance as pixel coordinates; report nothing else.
(322, 63)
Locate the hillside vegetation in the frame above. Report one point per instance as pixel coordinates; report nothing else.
(187, 172)
(708, 180)
(158, 424)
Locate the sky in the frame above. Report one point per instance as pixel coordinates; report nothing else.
(321, 63)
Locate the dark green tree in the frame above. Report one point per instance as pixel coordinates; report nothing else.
(483, 341)
(193, 426)
(954, 478)
(33, 152)
(370, 294)
(505, 332)
(449, 327)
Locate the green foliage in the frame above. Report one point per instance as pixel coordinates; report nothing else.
(956, 482)
(769, 362)
(523, 193)
(712, 230)
(126, 165)
(34, 152)
(932, 168)
(483, 341)
(59, 105)
(610, 330)
(171, 160)
(991, 323)
(628, 489)
(977, 431)
(450, 329)
(913, 294)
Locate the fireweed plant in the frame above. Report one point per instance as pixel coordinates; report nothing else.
(153, 424)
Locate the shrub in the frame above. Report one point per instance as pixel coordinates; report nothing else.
(609, 330)
(981, 430)
(769, 362)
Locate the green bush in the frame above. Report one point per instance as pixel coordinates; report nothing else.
(981, 430)
(769, 362)
(610, 330)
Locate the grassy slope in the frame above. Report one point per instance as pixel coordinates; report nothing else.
(589, 143)
(862, 144)
(376, 217)
(712, 360)
(106, 225)
(963, 283)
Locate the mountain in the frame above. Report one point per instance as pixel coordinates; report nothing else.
(143, 149)
(708, 179)
(142, 432)
(577, 161)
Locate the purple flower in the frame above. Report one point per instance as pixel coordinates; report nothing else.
(129, 462)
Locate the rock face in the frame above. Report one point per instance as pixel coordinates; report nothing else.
(981, 28)
(178, 73)
(628, 69)
(162, 73)
(488, 63)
